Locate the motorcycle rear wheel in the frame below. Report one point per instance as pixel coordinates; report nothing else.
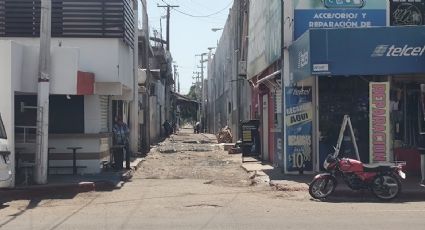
(386, 187)
(322, 187)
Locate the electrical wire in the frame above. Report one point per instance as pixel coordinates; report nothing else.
(200, 16)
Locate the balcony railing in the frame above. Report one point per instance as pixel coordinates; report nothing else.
(25, 134)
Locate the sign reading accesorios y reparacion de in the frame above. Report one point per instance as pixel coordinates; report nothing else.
(318, 14)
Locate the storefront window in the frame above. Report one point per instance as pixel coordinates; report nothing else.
(339, 96)
(66, 114)
(407, 115)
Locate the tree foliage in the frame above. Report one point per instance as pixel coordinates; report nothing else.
(192, 93)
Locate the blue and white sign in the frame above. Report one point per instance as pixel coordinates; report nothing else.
(299, 130)
(382, 51)
(337, 18)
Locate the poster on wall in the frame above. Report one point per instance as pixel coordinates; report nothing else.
(278, 140)
(310, 14)
(379, 121)
(407, 12)
(299, 130)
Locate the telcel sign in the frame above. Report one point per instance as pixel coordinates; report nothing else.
(395, 51)
(344, 3)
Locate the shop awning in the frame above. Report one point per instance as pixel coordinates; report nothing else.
(358, 51)
(270, 81)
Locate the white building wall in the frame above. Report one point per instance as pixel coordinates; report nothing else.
(108, 58)
(92, 114)
(125, 64)
(16, 55)
(64, 69)
(28, 80)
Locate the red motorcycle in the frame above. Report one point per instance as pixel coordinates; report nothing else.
(383, 179)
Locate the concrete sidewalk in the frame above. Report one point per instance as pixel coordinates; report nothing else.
(104, 181)
(285, 182)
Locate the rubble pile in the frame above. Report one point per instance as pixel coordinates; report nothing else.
(225, 135)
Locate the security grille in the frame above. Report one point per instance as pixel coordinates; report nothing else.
(70, 18)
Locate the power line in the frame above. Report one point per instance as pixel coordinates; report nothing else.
(200, 16)
(168, 6)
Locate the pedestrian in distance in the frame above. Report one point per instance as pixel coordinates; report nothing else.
(197, 128)
(167, 127)
(121, 137)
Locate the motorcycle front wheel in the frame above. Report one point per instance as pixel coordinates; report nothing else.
(386, 187)
(322, 187)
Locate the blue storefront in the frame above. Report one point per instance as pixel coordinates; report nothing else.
(334, 72)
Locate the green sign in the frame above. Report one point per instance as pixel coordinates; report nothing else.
(344, 3)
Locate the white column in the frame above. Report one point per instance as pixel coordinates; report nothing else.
(41, 156)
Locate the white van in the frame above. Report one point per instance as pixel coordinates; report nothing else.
(5, 172)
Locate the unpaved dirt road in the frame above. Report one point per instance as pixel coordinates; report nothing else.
(189, 156)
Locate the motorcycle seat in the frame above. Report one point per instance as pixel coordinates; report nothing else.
(378, 167)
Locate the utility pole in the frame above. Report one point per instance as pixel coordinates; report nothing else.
(175, 78)
(238, 82)
(42, 139)
(134, 130)
(201, 116)
(145, 64)
(168, 22)
(178, 80)
(198, 92)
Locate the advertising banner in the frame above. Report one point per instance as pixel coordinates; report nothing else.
(379, 121)
(310, 14)
(264, 46)
(278, 141)
(299, 130)
(407, 12)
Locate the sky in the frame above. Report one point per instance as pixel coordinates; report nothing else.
(189, 35)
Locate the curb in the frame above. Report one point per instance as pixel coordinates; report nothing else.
(126, 176)
(285, 187)
(343, 192)
(82, 187)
